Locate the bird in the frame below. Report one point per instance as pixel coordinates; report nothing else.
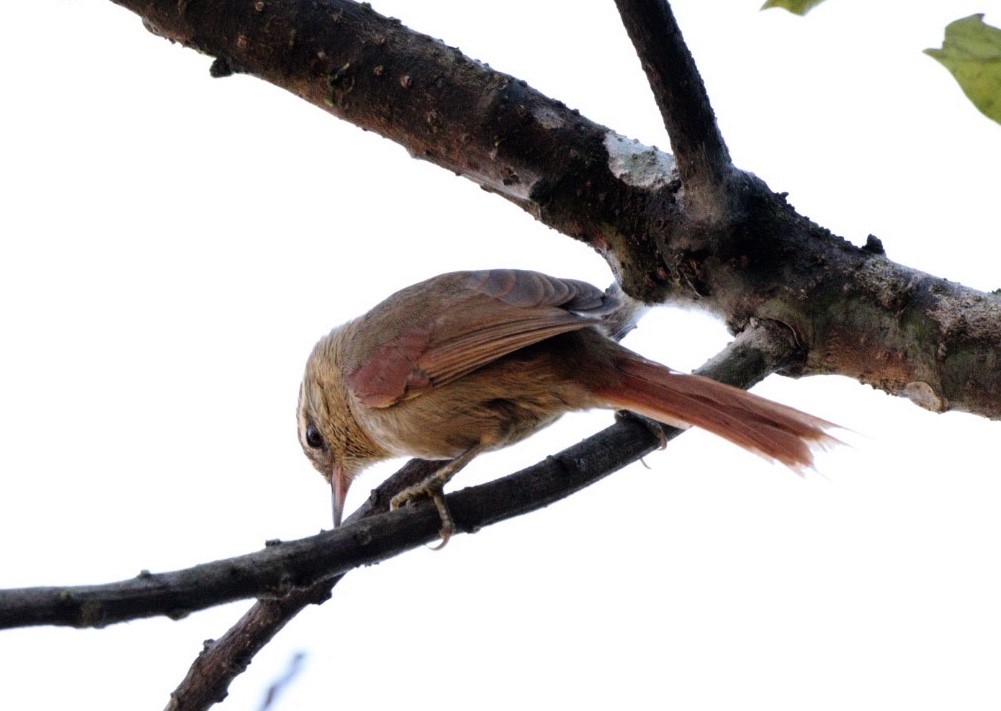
(471, 361)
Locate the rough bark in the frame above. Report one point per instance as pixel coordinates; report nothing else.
(801, 299)
(852, 310)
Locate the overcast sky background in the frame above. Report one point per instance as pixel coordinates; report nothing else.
(171, 246)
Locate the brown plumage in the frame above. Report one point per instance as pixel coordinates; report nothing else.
(472, 361)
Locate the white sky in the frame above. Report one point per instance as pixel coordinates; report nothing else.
(171, 246)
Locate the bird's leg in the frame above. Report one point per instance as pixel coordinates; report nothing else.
(433, 486)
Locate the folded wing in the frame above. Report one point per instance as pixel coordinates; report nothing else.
(453, 324)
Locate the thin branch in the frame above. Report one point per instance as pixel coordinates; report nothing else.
(699, 150)
(283, 567)
(753, 355)
(222, 660)
(749, 358)
(292, 575)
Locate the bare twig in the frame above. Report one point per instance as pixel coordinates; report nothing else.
(285, 567)
(292, 575)
(222, 660)
(750, 357)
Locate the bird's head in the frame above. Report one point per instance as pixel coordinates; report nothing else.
(328, 431)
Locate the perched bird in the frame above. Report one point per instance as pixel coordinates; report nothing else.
(468, 362)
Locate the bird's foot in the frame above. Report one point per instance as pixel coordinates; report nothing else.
(432, 487)
(437, 496)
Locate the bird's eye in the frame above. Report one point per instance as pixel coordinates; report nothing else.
(313, 437)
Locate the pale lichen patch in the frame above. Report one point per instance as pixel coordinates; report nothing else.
(636, 164)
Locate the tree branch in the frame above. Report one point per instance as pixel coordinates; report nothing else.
(222, 660)
(291, 575)
(441, 105)
(285, 566)
(375, 535)
(699, 150)
(852, 311)
(752, 356)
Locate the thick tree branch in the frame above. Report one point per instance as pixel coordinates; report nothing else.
(853, 311)
(699, 150)
(442, 106)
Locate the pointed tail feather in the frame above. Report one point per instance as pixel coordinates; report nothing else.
(774, 431)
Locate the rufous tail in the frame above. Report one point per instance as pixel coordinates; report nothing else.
(764, 427)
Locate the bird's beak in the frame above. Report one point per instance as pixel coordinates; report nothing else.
(338, 492)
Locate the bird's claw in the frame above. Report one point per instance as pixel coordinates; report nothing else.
(437, 496)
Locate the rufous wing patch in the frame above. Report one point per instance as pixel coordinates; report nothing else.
(391, 373)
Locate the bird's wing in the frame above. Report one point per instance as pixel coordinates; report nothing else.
(455, 323)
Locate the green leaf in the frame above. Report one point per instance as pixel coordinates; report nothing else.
(796, 7)
(972, 52)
